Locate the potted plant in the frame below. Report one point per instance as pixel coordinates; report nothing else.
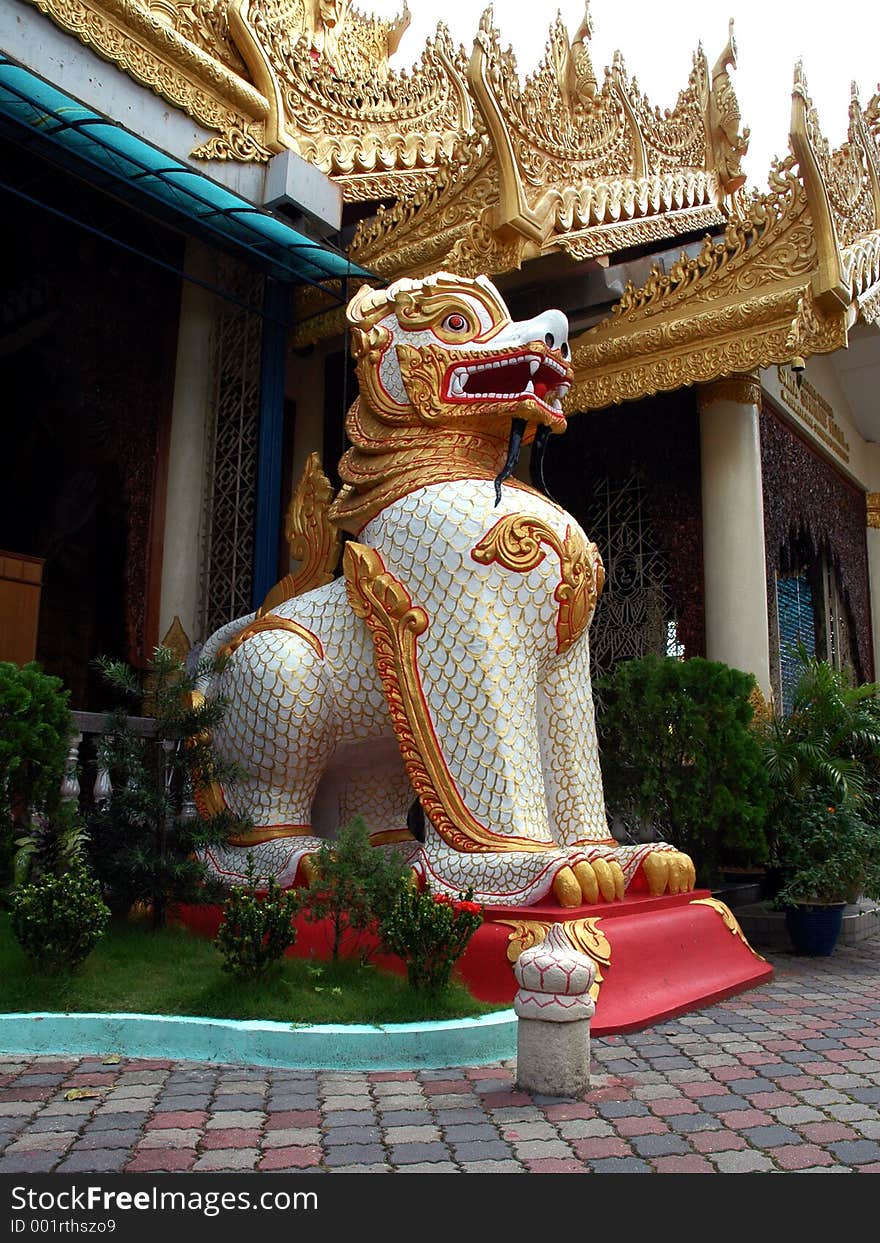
(822, 850)
(823, 762)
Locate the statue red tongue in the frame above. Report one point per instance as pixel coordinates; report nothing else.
(540, 387)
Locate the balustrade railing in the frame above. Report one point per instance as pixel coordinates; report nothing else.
(87, 780)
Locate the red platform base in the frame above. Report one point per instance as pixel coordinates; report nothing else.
(657, 957)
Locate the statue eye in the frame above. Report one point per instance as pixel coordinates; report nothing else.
(455, 322)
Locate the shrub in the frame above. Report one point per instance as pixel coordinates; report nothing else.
(59, 920)
(825, 852)
(255, 930)
(678, 754)
(53, 844)
(430, 932)
(35, 729)
(354, 884)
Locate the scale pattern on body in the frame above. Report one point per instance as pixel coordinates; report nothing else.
(451, 663)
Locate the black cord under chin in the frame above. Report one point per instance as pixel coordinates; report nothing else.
(517, 430)
(536, 465)
(415, 821)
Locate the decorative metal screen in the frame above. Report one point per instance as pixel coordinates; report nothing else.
(634, 615)
(794, 604)
(811, 613)
(232, 462)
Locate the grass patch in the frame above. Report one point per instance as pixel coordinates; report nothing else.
(176, 972)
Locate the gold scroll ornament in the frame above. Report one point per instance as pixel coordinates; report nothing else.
(582, 934)
(728, 919)
(395, 624)
(515, 542)
(312, 539)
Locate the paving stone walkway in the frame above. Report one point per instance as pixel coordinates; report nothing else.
(783, 1078)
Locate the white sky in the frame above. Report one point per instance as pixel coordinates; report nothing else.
(838, 42)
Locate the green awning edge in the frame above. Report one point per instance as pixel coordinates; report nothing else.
(147, 171)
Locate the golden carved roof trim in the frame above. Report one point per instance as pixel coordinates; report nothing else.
(660, 356)
(772, 240)
(449, 225)
(557, 136)
(860, 264)
(158, 57)
(844, 191)
(259, 66)
(364, 122)
(204, 23)
(513, 211)
(728, 144)
(744, 390)
(811, 151)
(604, 239)
(406, 216)
(606, 202)
(872, 508)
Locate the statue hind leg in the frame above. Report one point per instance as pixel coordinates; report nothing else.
(280, 728)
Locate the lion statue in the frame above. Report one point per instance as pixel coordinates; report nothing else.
(440, 688)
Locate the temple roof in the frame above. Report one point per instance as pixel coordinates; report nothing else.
(566, 160)
(459, 164)
(794, 270)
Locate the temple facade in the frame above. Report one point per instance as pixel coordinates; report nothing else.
(196, 188)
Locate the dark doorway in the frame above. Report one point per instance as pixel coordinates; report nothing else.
(87, 340)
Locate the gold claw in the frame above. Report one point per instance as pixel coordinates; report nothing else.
(656, 869)
(619, 881)
(605, 877)
(677, 874)
(566, 889)
(309, 869)
(587, 880)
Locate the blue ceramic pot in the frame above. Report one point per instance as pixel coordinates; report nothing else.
(814, 929)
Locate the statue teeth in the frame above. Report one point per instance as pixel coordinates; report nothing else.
(534, 364)
(529, 388)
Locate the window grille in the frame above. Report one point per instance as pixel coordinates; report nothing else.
(232, 462)
(634, 615)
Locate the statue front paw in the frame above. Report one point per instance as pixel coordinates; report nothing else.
(669, 871)
(601, 880)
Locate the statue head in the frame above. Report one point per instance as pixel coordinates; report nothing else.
(444, 350)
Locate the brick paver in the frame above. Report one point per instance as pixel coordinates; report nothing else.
(785, 1078)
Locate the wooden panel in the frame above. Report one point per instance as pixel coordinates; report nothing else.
(20, 583)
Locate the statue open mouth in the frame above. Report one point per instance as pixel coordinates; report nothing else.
(510, 378)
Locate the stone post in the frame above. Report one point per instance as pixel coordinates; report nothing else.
(734, 565)
(554, 1008)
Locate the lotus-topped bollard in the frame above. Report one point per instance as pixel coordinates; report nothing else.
(554, 1008)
